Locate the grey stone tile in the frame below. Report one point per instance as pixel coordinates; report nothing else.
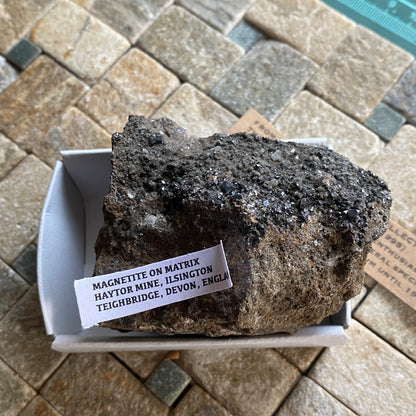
(142, 363)
(221, 14)
(302, 358)
(194, 51)
(390, 318)
(16, 18)
(26, 264)
(246, 381)
(10, 155)
(196, 112)
(309, 26)
(197, 402)
(384, 121)
(25, 347)
(396, 164)
(35, 101)
(359, 72)
(22, 195)
(23, 53)
(14, 392)
(7, 74)
(267, 78)
(95, 384)
(367, 375)
(309, 399)
(73, 131)
(245, 35)
(39, 407)
(137, 84)
(12, 287)
(128, 17)
(402, 96)
(309, 116)
(168, 381)
(79, 41)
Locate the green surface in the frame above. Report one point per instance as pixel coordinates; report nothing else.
(392, 19)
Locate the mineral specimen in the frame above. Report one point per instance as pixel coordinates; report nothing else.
(296, 222)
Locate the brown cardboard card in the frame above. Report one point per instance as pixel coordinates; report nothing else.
(392, 262)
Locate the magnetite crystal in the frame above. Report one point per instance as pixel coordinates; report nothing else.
(296, 222)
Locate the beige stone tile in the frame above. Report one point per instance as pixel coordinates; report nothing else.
(357, 299)
(137, 84)
(7, 73)
(396, 164)
(36, 100)
(12, 287)
(142, 363)
(197, 402)
(74, 131)
(367, 375)
(309, 399)
(78, 40)
(196, 112)
(22, 194)
(128, 17)
(359, 72)
(17, 17)
(301, 358)
(194, 51)
(309, 26)
(24, 346)
(309, 116)
(97, 384)
(10, 155)
(14, 392)
(390, 318)
(39, 407)
(245, 381)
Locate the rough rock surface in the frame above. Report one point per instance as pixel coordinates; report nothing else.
(296, 222)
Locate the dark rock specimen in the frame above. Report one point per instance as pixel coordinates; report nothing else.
(296, 221)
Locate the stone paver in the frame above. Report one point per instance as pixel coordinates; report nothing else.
(24, 345)
(309, 116)
(197, 402)
(391, 318)
(302, 358)
(142, 363)
(74, 131)
(12, 287)
(78, 40)
(91, 384)
(137, 84)
(7, 74)
(309, 26)
(128, 17)
(266, 79)
(39, 407)
(384, 121)
(367, 375)
(207, 117)
(399, 173)
(354, 302)
(221, 14)
(246, 381)
(402, 96)
(194, 51)
(26, 264)
(10, 155)
(35, 101)
(359, 72)
(245, 35)
(14, 392)
(16, 18)
(309, 399)
(23, 53)
(22, 194)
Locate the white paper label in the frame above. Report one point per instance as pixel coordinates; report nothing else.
(119, 294)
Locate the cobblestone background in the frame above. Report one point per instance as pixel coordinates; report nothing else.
(70, 74)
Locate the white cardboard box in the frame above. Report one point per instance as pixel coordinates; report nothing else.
(71, 218)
